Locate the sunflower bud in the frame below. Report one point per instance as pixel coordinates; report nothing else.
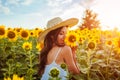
(54, 72)
(63, 66)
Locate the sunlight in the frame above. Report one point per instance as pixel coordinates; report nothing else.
(108, 13)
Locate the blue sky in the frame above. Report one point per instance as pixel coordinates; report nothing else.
(36, 13)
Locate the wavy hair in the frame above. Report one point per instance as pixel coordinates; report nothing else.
(50, 38)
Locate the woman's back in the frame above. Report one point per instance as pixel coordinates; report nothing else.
(54, 61)
(53, 53)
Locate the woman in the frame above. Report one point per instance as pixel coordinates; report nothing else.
(55, 52)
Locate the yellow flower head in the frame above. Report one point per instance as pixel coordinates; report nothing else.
(40, 46)
(32, 33)
(24, 34)
(109, 42)
(22, 78)
(81, 39)
(37, 32)
(11, 35)
(36, 28)
(116, 42)
(2, 31)
(27, 46)
(71, 38)
(8, 78)
(15, 77)
(9, 28)
(18, 30)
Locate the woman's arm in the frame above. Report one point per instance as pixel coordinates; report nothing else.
(69, 59)
(74, 55)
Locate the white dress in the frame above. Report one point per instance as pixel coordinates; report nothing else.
(62, 72)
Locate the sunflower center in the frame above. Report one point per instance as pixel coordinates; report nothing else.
(36, 29)
(2, 31)
(11, 34)
(91, 45)
(27, 47)
(80, 40)
(109, 42)
(24, 34)
(31, 33)
(72, 38)
(18, 30)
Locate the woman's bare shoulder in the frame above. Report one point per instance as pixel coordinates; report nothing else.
(66, 52)
(66, 48)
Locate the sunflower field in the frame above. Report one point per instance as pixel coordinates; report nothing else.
(98, 53)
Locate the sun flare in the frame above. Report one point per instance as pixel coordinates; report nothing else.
(108, 13)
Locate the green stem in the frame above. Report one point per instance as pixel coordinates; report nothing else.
(101, 74)
(9, 71)
(88, 63)
(108, 61)
(30, 59)
(107, 67)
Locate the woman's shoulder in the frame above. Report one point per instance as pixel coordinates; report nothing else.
(66, 52)
(66, 48)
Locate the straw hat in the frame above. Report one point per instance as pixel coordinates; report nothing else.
(55, 23)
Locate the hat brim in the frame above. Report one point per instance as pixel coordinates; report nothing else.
(70, 22)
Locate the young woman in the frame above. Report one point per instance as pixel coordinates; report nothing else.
(55, 51)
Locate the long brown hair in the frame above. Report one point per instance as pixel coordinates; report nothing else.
(50, 38)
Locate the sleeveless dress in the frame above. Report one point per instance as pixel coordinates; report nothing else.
(62, 72)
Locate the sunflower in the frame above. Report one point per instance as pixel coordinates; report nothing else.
(18, 30)
(27, 46)
(32, 33)
(37, 32)
(95, 40)
(109, 42)
(39, 46)
(9, 28)
(15, 77)
(91, 45)
(36, 28)
(71, 38)
(11, 35)
(54, 72)
(81, 39)
(63, 66)
(2, 31)
(116, 43)
(24, 34)
(8, 78)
